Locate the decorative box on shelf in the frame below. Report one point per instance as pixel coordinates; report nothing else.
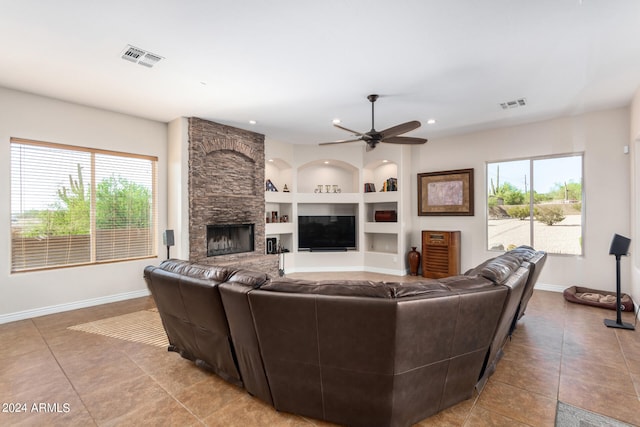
(386, 216)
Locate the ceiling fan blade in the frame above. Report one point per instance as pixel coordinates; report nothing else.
(404, 140)
(400, 129)
(342, 141)
(348, 130)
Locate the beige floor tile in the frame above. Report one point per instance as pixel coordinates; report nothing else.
(454, 416)
(597, 374)
(605, 400)
(209, 395)
(156, 413)
(482, 417)
(521, 405)
(249, 411)
(543, 381)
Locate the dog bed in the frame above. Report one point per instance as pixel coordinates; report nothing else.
(597, 298)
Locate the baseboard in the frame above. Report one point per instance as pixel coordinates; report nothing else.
(551, 288)
(59, 308)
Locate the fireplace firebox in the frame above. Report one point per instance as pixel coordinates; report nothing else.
(229, 239)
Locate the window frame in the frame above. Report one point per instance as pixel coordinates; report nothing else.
(531, 201)
(153, 217)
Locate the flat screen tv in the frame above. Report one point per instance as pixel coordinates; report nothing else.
(326, 232)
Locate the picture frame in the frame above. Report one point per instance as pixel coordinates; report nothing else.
(446, 193)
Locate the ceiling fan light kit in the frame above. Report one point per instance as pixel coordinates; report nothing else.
(373, 137)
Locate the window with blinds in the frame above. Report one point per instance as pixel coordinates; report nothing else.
(74, 205)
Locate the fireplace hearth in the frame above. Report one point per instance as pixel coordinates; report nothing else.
(229, 239)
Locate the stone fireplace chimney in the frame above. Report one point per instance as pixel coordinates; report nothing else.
(226, 187)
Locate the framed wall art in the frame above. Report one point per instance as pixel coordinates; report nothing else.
(446, 193)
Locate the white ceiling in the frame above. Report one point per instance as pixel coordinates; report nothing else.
(294, 65)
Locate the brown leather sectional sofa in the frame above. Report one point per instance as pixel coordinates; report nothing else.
(355, 353)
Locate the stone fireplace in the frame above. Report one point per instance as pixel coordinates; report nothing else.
(226, 187)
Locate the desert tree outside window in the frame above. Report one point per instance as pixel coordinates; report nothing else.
(536, 202)
(76, 205)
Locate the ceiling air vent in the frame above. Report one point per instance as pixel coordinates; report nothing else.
(520, 102)
(139, 56)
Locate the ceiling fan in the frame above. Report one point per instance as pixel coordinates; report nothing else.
(390, 135)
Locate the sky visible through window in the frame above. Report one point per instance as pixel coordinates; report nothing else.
(58, 177)
(547, 173)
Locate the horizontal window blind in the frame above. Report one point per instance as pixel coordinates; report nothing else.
(76, 205)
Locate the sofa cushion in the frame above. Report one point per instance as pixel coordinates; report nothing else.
(463, 284)
(362, 288)
(186, 268)
(478, 268)
(359, 288)
(525, 252)
(424, 288)
(255, 279)
(500, 268)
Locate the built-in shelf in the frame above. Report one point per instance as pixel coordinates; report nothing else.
(277, 197)
(381, 242)
(280, 228)
(382, 196)
(329, 198)
(381, 227)
(315, 176)
(380, 245)
(280, 173)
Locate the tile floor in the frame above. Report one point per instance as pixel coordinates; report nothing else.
(56, 376)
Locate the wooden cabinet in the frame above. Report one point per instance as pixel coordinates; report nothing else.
(440, 254)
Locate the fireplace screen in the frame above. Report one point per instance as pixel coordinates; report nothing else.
(229, 239)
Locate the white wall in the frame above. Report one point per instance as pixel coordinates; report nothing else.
(634, 144)
(34, 117)
(178, 186)
(601, 136)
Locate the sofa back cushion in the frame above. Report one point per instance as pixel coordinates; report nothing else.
(357, 288)
(362, 288)
(197, 271)
(253, 279)
(500, 268)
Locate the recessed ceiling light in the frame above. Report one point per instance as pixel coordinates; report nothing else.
(270, 160)
(252, 122)
(326, 162)
(385, 161)
(431, 121)
(336, 121)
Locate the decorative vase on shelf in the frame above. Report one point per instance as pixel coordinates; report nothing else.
(414, 261)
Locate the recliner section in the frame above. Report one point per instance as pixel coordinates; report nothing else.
(188, 300)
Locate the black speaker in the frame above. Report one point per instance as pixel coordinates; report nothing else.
(272, 245)
(619, 245)
(167, 238)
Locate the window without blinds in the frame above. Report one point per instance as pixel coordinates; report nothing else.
(74, 205)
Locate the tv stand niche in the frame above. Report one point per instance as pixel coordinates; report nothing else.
(440, 254)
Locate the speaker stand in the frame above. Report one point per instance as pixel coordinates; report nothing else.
(618, 323)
